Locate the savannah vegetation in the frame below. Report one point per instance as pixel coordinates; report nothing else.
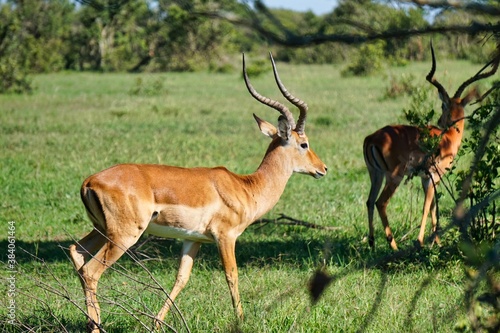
(76, 124)
(98, 85)
(39, 36)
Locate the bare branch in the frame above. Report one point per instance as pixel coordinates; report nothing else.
(287, 220)
(294, 40)
(470, 6)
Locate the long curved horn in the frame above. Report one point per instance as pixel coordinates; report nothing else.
(430, 77)
(281, 108)
(301, 122)
(494, 66)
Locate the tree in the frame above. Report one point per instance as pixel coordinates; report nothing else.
(362, 32)
(31, 41)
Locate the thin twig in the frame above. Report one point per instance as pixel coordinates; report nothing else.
(287, 220)
(130, 276)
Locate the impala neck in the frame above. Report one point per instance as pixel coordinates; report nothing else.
(269, 181)
(455, 132)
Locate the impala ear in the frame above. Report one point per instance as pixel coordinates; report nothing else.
(284, 128)
(474, 93)
(266, 128)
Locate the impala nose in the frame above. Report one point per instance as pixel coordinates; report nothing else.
(320, 174)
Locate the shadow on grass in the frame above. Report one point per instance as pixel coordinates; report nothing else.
(41, 321)
(263, 248)
(300, 251)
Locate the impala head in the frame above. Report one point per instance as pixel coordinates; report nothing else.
(288, 134)
(453, 108)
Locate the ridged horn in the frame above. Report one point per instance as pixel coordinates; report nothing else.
(300, 104)
(281, 108)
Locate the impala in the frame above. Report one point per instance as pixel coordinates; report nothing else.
(198, 205)
(394, 151)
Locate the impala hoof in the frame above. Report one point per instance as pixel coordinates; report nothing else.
(157, 323)
(93, 327)
(371, 242)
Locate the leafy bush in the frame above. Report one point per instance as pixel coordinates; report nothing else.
(147, 88)
(369, 60)
(484, 224)
(402, 86)
(257, 67)
(421, 111)
(14, 77)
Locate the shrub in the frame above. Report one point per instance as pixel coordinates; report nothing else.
(402, 86)
(369, 60)
(484, 225)
(14, 77)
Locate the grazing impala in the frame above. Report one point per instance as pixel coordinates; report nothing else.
(198, 205)
(393, 152)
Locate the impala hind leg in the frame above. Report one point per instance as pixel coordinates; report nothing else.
(390, 188)
(189, 251)
(84, 248)
(376, 183)
(80, 253)
(92, 270)
(227, 254)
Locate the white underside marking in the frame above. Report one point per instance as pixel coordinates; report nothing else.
(177, 233)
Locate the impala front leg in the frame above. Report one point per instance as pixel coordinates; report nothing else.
(429, 205)
(189, 251)
(428, 201)
(435, 235)
(227, 254)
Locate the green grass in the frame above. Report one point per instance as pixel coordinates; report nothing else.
(76, 124)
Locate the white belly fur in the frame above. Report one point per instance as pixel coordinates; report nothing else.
(177, 233)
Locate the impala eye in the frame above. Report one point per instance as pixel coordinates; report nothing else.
(304, 145)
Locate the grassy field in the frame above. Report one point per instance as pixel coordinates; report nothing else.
(76, 124)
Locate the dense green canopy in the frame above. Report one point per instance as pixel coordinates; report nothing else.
(175, 35)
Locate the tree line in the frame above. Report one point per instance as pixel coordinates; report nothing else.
(38, 36)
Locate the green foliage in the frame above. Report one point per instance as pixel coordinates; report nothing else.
(421, 114)
(39, 39)
(189, 42)
(13, 71)
(461, 46)
(399, 50)
(148, 88)
(421, 111)
(14, 77)
(372, 16)
(482, 288)
(484, 225)
(403, 86)
(257, 68)
(174, 35)
(368, 61)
